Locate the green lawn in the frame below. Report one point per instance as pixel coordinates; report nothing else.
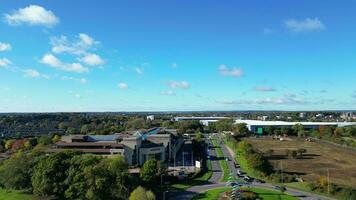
(222, 161)
(262, 193)
(15, 195)
(210, 194)
(271, 195)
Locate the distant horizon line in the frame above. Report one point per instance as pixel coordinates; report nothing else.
(182, 111)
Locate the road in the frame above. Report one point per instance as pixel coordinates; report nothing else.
(217, 173)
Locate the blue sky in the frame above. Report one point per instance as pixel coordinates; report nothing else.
(177, 55)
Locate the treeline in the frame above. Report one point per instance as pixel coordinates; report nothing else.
(26, 125)
(254, 160)
(72, 175)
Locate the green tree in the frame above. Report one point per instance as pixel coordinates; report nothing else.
(141, 193)
(240, 129)
(50, 174)
(15, 172)
(151, 172)
(45, 140)
(76, 180)
(298, 130)
(301, 152)
(244, 148)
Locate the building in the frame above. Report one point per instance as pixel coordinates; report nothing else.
(150, 117)
(348, 116)
(136, 146)
(258, 126)
(203, 120)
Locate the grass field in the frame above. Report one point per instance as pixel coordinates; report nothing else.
(222, 161)
(262, 193)
(341, 162)
(15, 195)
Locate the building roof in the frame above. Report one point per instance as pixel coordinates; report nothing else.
(284, 123)
(81, 150)
(87, 144)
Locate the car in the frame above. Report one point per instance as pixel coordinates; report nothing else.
(277, 187)
(227, 159)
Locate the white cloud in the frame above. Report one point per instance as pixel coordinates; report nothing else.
(80, 80)
(79, 46)
(139, 70)
(234, 72)
(32, 15)
(34, 74)
(5, 46)
(92, 59)
(4, 62)
(265, 89)
(54, 62)
(168, 93)
(123, 86)
(179, 84)
(307, 25)
(86, 39)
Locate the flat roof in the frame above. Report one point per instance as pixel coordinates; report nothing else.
(284, 123)
(199, 118)
(86, 144)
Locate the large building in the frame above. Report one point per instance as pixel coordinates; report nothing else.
(136, 146)
(258, 126)
(203, 120)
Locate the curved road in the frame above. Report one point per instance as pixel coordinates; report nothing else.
(217, 173)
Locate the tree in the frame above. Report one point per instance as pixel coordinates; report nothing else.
(8, 144)
(76, 180)
(50, 174)
(244, 148)
(298, 129)
(45, 140)
(151, 171)
(124, 182)
(15, 172)
(141, 193)
(56, 138)
(240, 129)
(84, 129)
(224, 125)
(301, 152)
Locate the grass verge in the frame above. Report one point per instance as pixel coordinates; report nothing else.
(262, 194)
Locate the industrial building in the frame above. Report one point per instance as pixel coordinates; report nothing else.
(258, 126)
(136, 146)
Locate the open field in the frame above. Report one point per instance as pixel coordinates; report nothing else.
(319, 156)
(262, 193)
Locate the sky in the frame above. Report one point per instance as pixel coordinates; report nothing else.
(77, 56)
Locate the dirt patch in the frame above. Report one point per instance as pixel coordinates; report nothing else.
(319, 157)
